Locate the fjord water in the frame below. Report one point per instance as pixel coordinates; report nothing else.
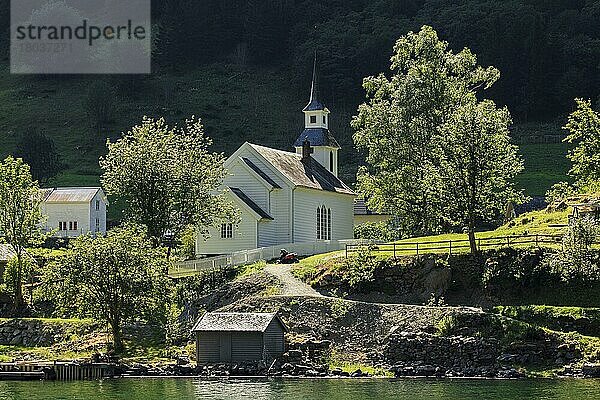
(183, 389)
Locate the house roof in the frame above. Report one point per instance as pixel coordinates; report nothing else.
(236, 322)
(248, 201)
(317, 137)
(70, 195)
(309, 174)
(6, 252)
(360, 208)
(261, 173)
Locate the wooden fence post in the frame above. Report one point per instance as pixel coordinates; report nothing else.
(417, 248)
(394, 249)
(450, 247)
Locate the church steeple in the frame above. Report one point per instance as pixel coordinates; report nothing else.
(314, 104)
(316, 129)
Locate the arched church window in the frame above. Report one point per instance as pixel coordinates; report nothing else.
(323, 223)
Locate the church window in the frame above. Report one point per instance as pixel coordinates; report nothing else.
(323, 223)
(313, 119)
(226, 231)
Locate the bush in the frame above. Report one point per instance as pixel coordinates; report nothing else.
(380, 231)
(560, 191)
(514, 269)
(360, 267)
(446, 325)
(577, 261)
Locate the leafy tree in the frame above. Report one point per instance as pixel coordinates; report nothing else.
(479, 165)
(117, 279)
(20, 216)
(39, 152)
(167, 177)
(100, 104)
(577, 261)
(584, 130)
(399, 126)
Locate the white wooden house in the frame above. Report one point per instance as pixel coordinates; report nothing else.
(76, 211)
(286, 197)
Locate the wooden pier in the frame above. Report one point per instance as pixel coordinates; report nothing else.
(59, 371)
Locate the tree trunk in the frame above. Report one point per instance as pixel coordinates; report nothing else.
(18, 303)
(117, 337)
(472, 240)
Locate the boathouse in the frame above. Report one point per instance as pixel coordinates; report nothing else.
(239, 337)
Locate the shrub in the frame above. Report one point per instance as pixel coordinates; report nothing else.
(577, 261)
(380, 231)
(446, 325)
(560, 191)
(360, 267)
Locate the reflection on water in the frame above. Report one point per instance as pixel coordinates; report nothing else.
(183, 389)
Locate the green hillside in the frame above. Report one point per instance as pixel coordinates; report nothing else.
(236, 105)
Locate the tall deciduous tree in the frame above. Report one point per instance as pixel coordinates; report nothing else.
(39, 152)
(479, 165)
(20, 215)
(167, 176)
(400, 125)
(584, 131)
(116, 279)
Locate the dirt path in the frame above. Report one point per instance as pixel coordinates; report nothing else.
(292, 286)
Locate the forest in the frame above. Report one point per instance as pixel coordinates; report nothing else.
(237, 63)
(546, 50)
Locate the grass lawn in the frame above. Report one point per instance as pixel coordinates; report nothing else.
(545, 165)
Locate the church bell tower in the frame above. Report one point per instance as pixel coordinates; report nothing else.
(316, 131)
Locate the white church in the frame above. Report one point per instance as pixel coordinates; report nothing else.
(286, 197)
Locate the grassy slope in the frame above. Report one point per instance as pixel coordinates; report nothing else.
(536, 222)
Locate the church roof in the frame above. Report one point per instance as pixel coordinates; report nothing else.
(317, 137)
(248, 201)
(261, 173)
(314, 105)
(6, 252)
(361, 208)
(309, 174)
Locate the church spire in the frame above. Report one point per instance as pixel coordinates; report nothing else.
(314, 90)
(314, 104)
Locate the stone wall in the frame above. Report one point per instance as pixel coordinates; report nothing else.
(41, 332)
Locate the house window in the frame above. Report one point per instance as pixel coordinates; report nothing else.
(324, 119)
(313, 119)
(97, 205)
(331, 161)
(323, 223)
(62, 226)
(70, 225)
(75, 227)
(97, 224)
(227, 231)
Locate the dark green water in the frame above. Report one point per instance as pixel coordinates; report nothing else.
(182, 389)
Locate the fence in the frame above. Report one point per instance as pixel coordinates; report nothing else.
(455, 246)
(244, 257)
